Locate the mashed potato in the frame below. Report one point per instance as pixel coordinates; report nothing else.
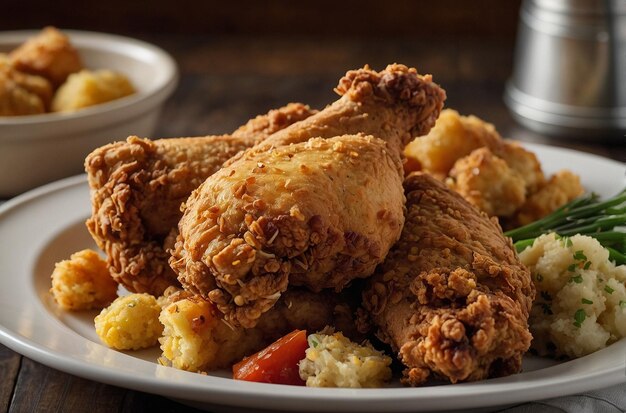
(83, 282)
(335, 361)
(581, 295)
(87, 88)
(130, 323)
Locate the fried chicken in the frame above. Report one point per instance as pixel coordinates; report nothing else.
(196, 338)
(452, 296)
(49, 54)
(317, 214)
(137, 187)
(395, 105)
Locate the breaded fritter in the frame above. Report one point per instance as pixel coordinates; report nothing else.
(453, 137)
(138, 185)
(488, 182)
(452, 297)
(317, 214)
(562, 187)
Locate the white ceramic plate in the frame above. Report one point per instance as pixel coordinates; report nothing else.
(46, 225)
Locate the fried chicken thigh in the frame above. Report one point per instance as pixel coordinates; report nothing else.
(452, 296)
(137, 187)
(317, 214)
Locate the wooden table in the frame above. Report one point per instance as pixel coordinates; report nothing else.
(225, 81)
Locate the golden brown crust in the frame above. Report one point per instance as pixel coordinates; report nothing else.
(318, 214)
(49, 54)
(451, 297)
(137, 187)
(16, 100)
(395, 105)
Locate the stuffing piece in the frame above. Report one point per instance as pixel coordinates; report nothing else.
(131, 322)
(453, 137)
(497, 175)
(560, 189)
(196, 339)
(83, 282)
(88, 88)
(332, 360)
(486, 181)
(581, 301)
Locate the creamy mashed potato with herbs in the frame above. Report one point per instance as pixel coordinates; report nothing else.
(581, 295)
(332, 360)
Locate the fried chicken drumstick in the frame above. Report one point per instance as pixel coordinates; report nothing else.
(451, 297)
(319, 213)
(138, 185)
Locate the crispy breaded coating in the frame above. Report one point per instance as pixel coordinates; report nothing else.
(137, 187)
(488, 182)
(196, 338)
(562, 187)
(317, 214)
(49, 54)
(83, 282)
(452, 296)
(87, 88)
(395, 105)
(16, 100)
(524, 162)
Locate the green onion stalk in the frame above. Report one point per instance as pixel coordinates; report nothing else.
(603, 220)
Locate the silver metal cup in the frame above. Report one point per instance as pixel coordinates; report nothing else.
(569, 76)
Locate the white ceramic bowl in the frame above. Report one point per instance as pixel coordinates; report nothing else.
(41, 148)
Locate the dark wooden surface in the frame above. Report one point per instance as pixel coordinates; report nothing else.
(226, 80)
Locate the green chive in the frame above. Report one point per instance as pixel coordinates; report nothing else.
(580, 255)
(585, 301)
(579, 317)
(572, 267)
(608, 289)
(577, 279)
(587, 265)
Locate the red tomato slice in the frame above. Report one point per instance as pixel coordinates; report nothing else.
(277, 363)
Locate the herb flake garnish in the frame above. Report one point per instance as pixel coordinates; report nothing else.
(579, 317)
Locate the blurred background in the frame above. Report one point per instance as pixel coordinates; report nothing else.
(240, 58)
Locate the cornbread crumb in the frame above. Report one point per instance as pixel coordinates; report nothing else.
(88, 88)
(130, 323)
(83, 282)
(332, 360)
(196, 339)
(581, 296)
